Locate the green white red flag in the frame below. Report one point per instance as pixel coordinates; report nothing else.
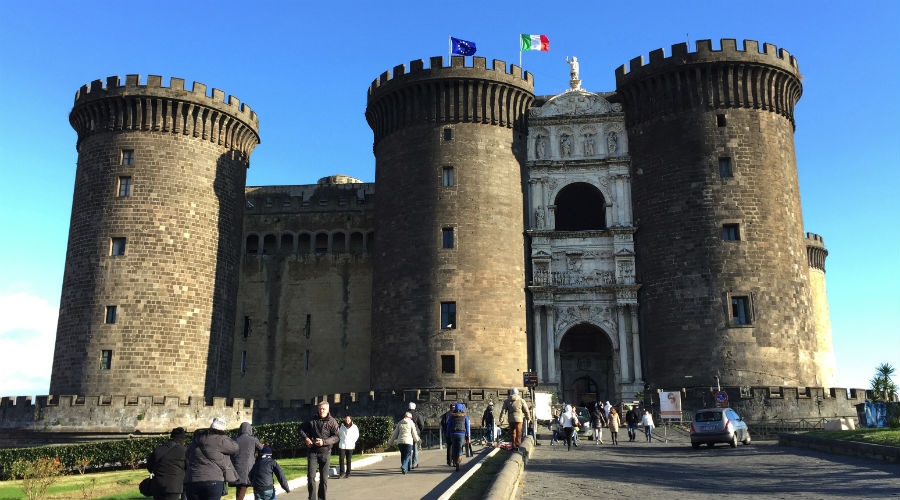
(535, 42)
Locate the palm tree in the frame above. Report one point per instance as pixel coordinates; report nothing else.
(883, 387)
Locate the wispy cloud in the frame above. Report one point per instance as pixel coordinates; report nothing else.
(27, 335)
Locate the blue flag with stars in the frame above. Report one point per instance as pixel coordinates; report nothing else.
(462, 47)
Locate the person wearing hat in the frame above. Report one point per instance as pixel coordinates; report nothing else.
(487, 422)
(261, 476)
(419, 420)
(405, 437)
(167, 464)
(209, 466)
(458, 431)
(518, 412)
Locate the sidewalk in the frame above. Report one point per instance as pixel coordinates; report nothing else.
(382, 480)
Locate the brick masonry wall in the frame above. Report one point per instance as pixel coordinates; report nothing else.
(174, 288)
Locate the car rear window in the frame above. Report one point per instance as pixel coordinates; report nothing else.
(708, 416)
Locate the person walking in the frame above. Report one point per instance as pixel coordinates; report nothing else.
(517, 412)
(319, 434)
(554, 428)
(348, 433)
(209, 466)
(261, 476)
(487, 423)
(598, 421)
(419, 420)
(647, 422)
(568, 421)
(243, 460)
(405, 436)
(444, 419)
(458, 429)
(167, 464)
(631, 421)
(614, 425)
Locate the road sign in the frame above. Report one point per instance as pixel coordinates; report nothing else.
(721, 398)
(530, 379)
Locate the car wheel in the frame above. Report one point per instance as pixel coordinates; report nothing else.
(746, 440)
(695, 446)
(733, 441)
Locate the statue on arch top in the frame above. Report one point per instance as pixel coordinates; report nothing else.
(574, 80)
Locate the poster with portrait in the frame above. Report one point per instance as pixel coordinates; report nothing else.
(670, 405)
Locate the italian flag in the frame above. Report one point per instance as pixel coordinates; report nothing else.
(535, 42)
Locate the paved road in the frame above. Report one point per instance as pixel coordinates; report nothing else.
(383, 480)
(674, 471)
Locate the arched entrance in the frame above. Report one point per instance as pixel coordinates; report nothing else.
(586, 365)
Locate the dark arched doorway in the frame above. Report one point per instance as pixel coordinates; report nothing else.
(580, 207)
(586, 365)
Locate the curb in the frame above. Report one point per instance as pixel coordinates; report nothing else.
(507, 480)
(841, 447)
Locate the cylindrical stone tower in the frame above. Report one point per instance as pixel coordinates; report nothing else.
(720, 244)
(150, 285)
(816, 254)
(449, 269)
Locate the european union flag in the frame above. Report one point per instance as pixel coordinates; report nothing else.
(462, 47)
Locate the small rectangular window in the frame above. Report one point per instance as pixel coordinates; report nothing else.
(725, 167)
(448, 364)
(106, 360)
(247, 327)
(308, 325)
(448, 134)
(447, 233)
(124, 186)
(740, 310)
(731, 232)
(243, 362)
(117, 246)
(110, 315)
(448, 178)
(306, 361)
(448, 315)
(720, 120)
(127, 157)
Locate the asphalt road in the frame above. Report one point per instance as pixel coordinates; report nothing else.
(675, 471)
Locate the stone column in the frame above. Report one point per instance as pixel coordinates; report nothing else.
(636, 344)
(623, 345)
(538, 344)
(629, 218)
(553, 374)
(620, 200)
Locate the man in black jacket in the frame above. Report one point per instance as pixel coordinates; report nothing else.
(319, 434)
(167, 463)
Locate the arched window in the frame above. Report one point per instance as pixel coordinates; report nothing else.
(305, 243)
(338, 244)
(370, 242)
(321, 242)
(269, 244)
(287, 243)
(252, 244)
(356, 243)
(580, 207)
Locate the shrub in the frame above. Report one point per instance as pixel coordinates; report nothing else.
(37, 475)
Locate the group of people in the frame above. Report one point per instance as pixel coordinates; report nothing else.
(565, 425)
(202, 469)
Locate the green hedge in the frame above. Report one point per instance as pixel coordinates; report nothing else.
(374, 432)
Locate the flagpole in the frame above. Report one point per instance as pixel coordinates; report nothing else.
(449, 48)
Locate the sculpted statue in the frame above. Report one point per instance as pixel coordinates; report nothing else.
(565, 145)
(588, 144)
(573, 67)
(539, 147)
(539, 218)
(612, 142)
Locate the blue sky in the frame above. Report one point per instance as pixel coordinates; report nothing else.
(305, 67)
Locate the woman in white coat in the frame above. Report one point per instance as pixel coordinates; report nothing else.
(568, 421)
(348, 433)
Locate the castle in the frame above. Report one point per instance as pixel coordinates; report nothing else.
(645, 238)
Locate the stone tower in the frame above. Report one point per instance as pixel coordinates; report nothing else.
(448, 305)
(150, 284)
(720, 247)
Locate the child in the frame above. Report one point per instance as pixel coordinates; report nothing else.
(261, 476)
(554, 426)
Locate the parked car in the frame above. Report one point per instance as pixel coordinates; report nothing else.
(718, 425)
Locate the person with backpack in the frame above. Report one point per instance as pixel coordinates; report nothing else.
(261, 476)
(458, 430)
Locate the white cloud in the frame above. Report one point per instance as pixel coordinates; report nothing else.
(27, 336)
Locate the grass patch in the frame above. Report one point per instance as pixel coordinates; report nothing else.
(123, 484)
(478, 484)
(883, 436)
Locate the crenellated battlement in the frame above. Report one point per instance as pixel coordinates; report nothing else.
(815, 251)
(456, 69)
(151, 106)
(704, 53)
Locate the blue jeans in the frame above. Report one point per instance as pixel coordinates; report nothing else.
(205, 490)
(648, 430)
(489, 433)
(264, 495)
(414, 461)
(632, 431)
(457, 444)
(405, 456)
